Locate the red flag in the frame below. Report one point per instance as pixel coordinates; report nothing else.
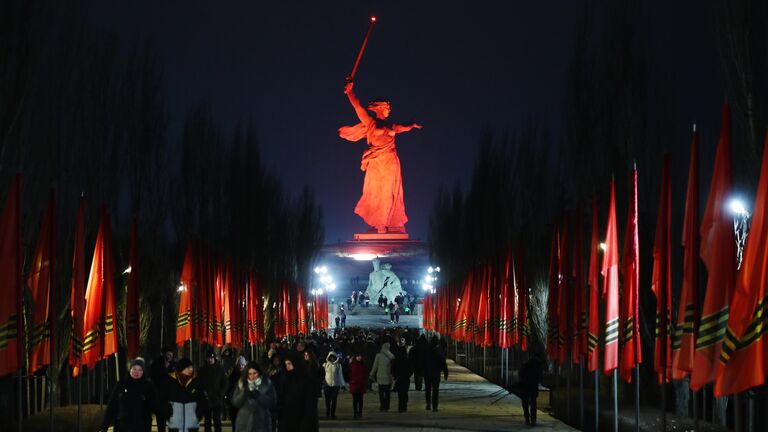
(462, 313)
(218, 306)
(563, 297)
(631, 348)
(40, 282)
(255, 310)
(132, 321)
(683, 344)
(506, 325)
(77, 298)
(482, 335)
(99, 313)
(108, 313)
(593, 331)
(744, 357)
(554, 287)
(661, 283)
(610, 272)
(11, 324)
(303, 327)
(718, 251)
(579, 318)
(522, 296)
(183, 322)
(201, 293)
(228, 300)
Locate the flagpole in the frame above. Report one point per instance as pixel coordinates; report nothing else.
(568, 390)
(52, 311)
(615, 400)
(637, 397)
(581, 392)
(597, 400)
(664, 398)
(696, 411)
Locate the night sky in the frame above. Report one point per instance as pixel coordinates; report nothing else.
(457, 68)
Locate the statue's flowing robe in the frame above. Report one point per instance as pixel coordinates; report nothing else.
(381, 204)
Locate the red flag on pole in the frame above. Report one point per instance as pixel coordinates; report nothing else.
(40, 283)
(11, 323)
(183, 322)
(522, 297)
(631, 348)
(661, 283)
(610, 272)
(482, 333)
(228, 302)
(718, 251)
(77, 296)
(554, 287)
(579, 318)
(132, 321)
(507, 328)
(683, 344)
(109, 334)
(564, 296)
(95, 299)
(462, 313)
(593, 332)
(744, 356)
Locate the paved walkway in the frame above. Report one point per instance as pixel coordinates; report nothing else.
(466, 404)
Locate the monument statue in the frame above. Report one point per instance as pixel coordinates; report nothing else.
(381, 205)
(383, 281)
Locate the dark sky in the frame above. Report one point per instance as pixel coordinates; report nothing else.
(457, 67)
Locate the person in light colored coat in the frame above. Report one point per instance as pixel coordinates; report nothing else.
(381, 372)
(254, 397)
(334, 380)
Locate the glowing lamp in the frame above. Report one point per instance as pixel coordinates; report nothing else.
(363, 256)
(128, 270)
(181, 288)
(737, 207)
(373, 18)
(603, 246)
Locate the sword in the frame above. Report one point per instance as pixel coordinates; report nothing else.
(351, 75)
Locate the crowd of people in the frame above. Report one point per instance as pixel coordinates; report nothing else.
(280, 390)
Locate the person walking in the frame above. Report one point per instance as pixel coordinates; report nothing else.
(132, 402)
(358, 384)
(254, 398)
(381, 372)
(334, 380)
(434, 364)
(416, 355)
(343, 318)
(213, 380)
(158, 372)
(402, 371)
(186, 397)
(234, 375)
(296, 413)
(530, 377)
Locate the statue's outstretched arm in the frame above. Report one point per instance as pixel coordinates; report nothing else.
(362, 114)
(405, 128)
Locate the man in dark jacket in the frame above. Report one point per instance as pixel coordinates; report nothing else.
(186, 398)
(213, 380)
(402, 371)
(416, 355)
(434, 363)
(158, 373)
(530, 377)
(132, 402)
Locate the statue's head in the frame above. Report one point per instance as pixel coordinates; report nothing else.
(380, 107)
(386, 266)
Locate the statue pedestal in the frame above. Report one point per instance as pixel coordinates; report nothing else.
(377, 236)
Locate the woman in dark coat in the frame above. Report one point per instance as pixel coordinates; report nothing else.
(254, 398)
(298, 411)
(402, 371)
(132, 403)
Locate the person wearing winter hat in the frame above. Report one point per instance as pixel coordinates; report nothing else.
(158, 373)
(213, 380)
(132, 402)
(234, 375)
(255, 399)
(186, 398)
(334, 380)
